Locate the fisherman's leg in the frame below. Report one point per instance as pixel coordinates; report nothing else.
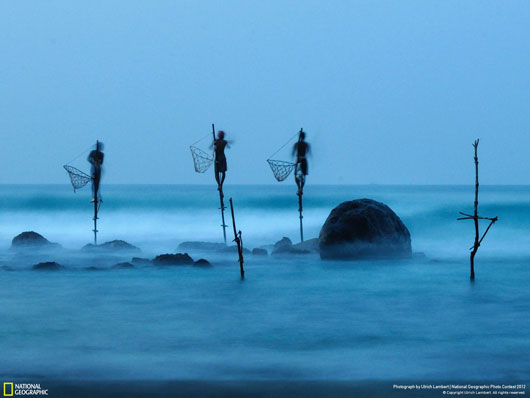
(223, 176)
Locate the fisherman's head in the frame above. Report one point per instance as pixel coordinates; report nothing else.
(221, 134)
(99, 146)
(302, 135)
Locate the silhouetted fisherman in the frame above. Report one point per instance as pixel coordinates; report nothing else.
(301, 150)
(220, 159)
(95, 158)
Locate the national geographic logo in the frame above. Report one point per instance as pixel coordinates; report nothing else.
(23, 389)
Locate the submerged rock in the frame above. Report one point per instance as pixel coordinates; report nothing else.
(114, 245)
(285, 247)
(173, 259)
(31, 239)
(47, 266)
(124, 265)
(202, 263)
(259, 252)
(364, 228)
(141, 261)
(201, 246)
(311, 245)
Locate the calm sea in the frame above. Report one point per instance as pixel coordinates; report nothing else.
(291, 319)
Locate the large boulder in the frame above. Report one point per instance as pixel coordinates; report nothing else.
(31, 239)
(364, 228)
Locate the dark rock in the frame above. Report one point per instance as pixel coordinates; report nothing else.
(32, 239)
(259, 252)
(114, 245)
(7, 268)
(207, 246)
(124, 265)
(364, 228)
(283, 243)
(173, 259)
(286, 247)
(202, 263)
(141, 261)
(48, 266)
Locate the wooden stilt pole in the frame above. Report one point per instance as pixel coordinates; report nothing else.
(221, 194)
(96, 203)
(238, 240)
(300, 209)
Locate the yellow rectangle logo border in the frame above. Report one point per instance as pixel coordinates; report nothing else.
(5, 394)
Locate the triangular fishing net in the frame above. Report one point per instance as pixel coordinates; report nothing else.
(78, 178)
(201, 160)
(280, 168)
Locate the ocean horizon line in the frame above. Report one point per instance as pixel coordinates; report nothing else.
(273, 185)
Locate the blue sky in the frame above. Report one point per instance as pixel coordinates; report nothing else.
(388, 92)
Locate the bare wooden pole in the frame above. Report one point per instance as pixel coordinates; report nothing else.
(238, 240)
(475, 217)
(221, 194)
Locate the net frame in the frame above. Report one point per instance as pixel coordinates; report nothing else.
(280, 168)
(201, 160)
(78, 178)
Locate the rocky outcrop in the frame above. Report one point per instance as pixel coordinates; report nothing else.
(364, 228)
(31, 239)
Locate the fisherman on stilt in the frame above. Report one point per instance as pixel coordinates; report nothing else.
(220, 159)
(95, 158)
(301, 150)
